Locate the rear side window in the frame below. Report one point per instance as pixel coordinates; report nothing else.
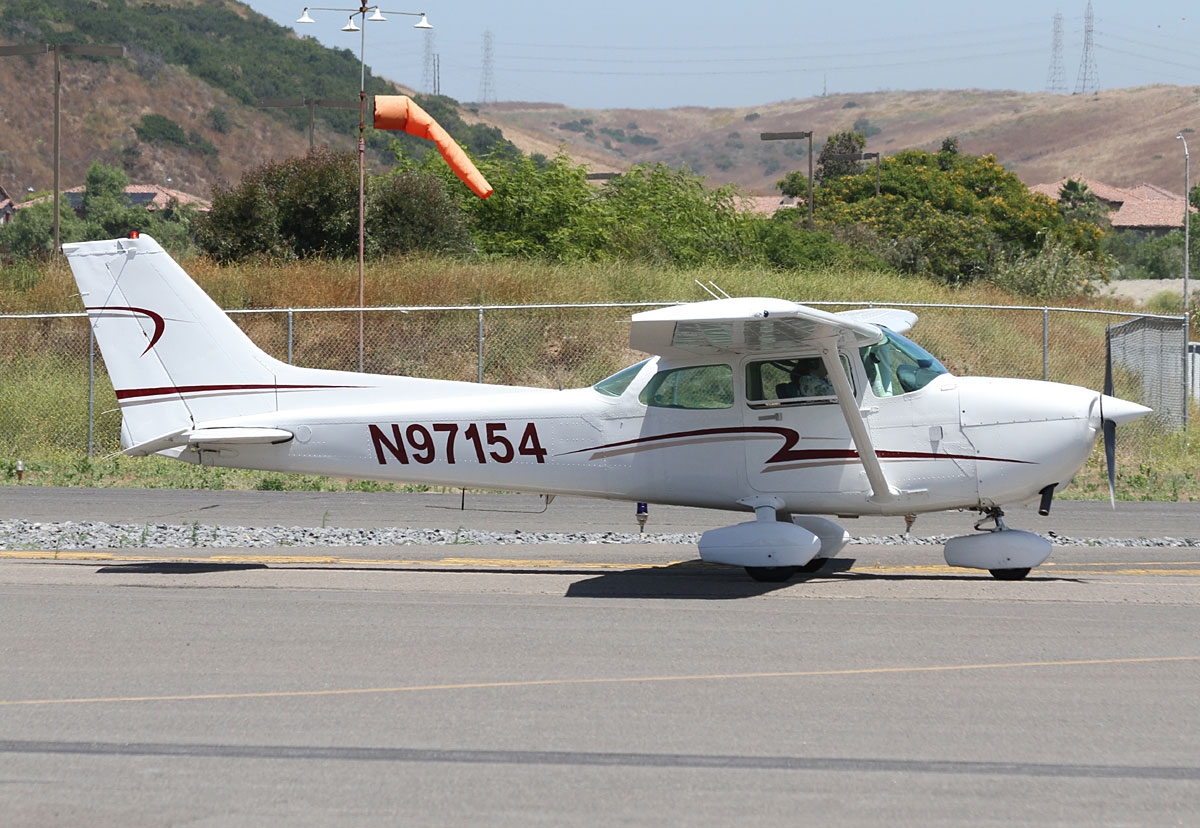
(700, 386)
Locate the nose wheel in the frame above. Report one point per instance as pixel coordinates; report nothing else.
(1007, 554)
(1010, 574)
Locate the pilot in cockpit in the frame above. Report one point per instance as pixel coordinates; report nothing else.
(807, 378)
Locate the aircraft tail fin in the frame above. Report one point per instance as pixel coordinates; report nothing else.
(174, 357)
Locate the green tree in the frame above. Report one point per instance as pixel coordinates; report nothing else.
(104, 213)
(30, 234)
(793, 185)
(409, 210)
(294, 208)
(656, 214)
(949, 223)
(159, 129)
(840, 143)
(948, 154)
(532, 209)
(306, 207)
(1146, 255)
(1079, 204)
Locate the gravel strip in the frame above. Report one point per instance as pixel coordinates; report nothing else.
(24, 535)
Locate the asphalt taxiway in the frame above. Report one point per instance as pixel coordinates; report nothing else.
(589, 684)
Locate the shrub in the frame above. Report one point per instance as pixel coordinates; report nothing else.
(159, 129)
(409, 210)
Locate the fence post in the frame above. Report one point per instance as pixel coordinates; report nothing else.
(479, 345)
(289, 335)
(1045, 344)
(91, 390)
(1187, 393)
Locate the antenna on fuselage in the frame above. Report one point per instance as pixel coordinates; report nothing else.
(713, 289)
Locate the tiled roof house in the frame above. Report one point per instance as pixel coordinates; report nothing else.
(1145, 207)
(150, 196)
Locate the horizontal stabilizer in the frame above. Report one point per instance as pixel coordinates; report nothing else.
(200, 438)
(236, 436)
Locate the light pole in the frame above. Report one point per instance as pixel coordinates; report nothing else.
(377, 16)
(1187, 210)
(787, 136)
(860, 156)
(312, 104)
(64, 49)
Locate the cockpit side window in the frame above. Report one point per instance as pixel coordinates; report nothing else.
(898, 365)
(789, 381)
(698, 386)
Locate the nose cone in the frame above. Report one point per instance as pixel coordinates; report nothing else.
(1117, 410)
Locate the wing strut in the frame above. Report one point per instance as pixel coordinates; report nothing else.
(881, 491)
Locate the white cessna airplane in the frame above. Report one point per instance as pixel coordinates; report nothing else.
(754, 405)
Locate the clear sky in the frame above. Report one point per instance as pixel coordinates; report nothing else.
(667, 53)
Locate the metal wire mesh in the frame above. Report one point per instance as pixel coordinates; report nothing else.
(52, 400)
(1148, 360)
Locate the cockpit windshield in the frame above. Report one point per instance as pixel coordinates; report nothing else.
(615, 385)
(897, 365)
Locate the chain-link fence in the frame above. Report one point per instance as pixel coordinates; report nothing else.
(55, 397)
(1152, 352)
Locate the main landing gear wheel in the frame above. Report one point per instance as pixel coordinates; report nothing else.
(1009, 574)
(771, 574)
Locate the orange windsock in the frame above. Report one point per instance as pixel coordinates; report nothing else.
(401, 114)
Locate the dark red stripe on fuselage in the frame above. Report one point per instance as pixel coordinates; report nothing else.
(788, 453)
(137, 393)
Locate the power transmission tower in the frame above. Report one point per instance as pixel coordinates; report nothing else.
(1089, 77)
(429, 65)
(1056, 79)
(487, 81)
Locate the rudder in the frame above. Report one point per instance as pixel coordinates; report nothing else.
(174, 357)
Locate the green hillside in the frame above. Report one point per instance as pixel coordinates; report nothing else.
(203, 64)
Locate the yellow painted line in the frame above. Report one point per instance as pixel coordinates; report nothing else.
(493, 563)
(1130, 563)
(41, 555)
(579, 682)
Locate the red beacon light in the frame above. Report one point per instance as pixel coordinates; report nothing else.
(134, 234)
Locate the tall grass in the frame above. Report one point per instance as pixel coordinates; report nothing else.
(43, 371)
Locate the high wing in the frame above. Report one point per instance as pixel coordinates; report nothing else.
(759, 325)
(894, 319)
(750, 325)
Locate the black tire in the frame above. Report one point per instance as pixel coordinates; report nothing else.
(815, 565)
(771, 574)
(1009, 574)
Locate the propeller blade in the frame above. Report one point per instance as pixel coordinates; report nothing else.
(1110, 458)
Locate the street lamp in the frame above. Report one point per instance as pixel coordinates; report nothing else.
(787, 136)
(377, 15)
(312, 104)
(860, 156)
(1187, 210)
(64, 49)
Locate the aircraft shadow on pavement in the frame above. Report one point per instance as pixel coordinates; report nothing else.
(175, 568)
(688, 580)
(691, 581)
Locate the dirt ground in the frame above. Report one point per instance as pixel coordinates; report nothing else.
(1141, 290)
